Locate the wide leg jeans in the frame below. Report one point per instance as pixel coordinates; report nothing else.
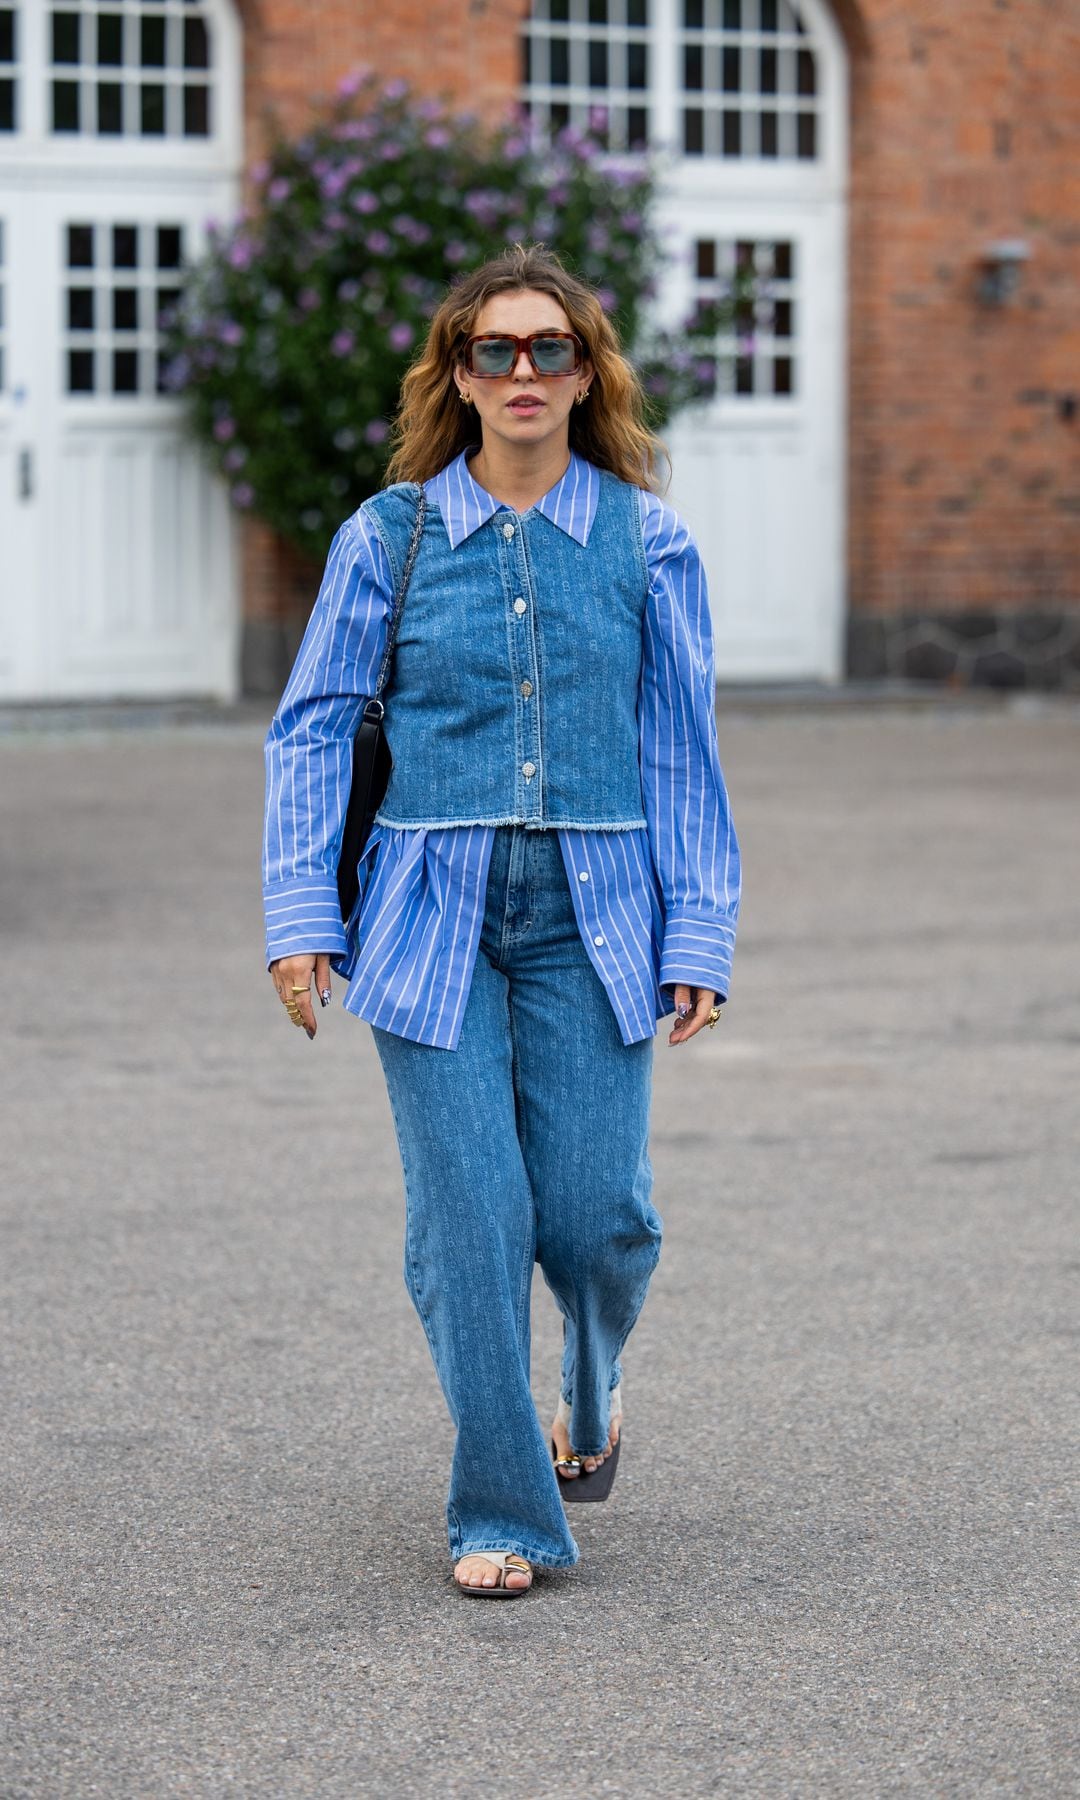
(527, 1143)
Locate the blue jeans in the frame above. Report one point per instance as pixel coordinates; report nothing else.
(528, 1143)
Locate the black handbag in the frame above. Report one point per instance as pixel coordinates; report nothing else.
(371, 759)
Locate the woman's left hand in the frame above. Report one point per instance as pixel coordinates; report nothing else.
(701, 1002)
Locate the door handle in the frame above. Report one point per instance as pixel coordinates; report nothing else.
(26, 474)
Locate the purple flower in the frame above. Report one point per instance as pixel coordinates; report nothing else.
(230, 332)
(378, 243)
(350, 84)
(401, 336)
(364, 201)
(606, 298)
(224, 429)
(376, 432)
(279, 188)
(259, 171)
(308, 299)
(437, 137)
(455, 251)
(241, 253)
(235, 458)
(243, 493)
(348, 290)
(396, 89)
(343, 343)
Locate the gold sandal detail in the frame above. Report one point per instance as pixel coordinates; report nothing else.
(501, 1560)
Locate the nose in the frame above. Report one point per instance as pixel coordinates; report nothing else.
(523, 360)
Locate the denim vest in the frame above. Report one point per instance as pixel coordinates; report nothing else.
(513, 695)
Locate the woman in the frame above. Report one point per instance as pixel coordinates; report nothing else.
(552, 869)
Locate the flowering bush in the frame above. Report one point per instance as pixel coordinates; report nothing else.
(293, 333)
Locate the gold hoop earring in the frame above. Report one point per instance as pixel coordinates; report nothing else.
(582, 397)
(466, 399)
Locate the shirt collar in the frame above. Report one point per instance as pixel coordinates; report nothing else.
(465, 505)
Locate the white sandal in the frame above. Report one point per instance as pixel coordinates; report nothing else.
(501, 1560)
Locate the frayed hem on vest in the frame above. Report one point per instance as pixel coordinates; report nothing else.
(537, 824)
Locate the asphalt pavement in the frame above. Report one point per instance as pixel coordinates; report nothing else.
(841, 1555)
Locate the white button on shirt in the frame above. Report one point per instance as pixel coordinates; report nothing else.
(508, 531)
(528, 770)
(519, 606)
(598, 940)
(583, 874)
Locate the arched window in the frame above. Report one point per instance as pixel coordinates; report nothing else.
(711, 78)
(124, 69)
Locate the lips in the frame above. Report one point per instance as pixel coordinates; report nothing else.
(525, 406)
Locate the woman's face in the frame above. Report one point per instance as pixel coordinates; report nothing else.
(523, 407)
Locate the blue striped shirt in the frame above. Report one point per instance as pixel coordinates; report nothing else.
(655, 906)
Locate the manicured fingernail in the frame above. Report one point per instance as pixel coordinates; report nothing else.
(324, 996)
(309, 1030)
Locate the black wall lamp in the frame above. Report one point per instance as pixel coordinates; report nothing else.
(1000, 267)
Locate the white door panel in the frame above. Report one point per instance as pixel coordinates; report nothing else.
(118, 553)
(748, 101)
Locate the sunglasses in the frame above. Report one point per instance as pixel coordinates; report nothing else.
(496, 353)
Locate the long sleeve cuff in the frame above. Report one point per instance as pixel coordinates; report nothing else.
(303, 914)
(698, 948)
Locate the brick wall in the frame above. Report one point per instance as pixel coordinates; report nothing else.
(964, 431)
(964, 422)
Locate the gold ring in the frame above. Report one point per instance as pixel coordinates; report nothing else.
(303, 990)
(714, 1015)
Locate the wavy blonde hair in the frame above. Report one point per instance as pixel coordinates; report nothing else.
(432, 426)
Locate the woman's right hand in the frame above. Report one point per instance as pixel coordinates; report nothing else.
(291, 976)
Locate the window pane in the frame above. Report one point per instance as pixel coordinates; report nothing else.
(152, 110)
(110, 40)
(693, 57)
(125, 247)
(168, 247)
(637, 12)
(152, 42)
(559, 53)
(598, 63)
(80, 247)
(196, 112)
(125, 309)
(110, 108)
(80, 371)
(7, 34)
(80, 309)
(637, 68)
(65, 106)
(196, 45)
(806, 138)
(7, 105)
(693, 131)
(65, 37)
(125, 371)
(637, 127)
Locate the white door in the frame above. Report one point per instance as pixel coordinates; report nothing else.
(747, 102)
(119, 570)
